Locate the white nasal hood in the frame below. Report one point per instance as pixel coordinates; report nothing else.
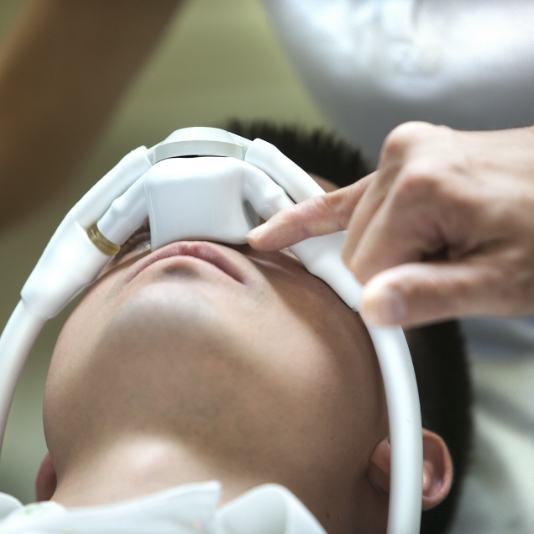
(206, 183)
(235, 196)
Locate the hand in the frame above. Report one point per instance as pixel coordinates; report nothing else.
(444, 227)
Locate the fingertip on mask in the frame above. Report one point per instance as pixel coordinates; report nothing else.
(256, 233)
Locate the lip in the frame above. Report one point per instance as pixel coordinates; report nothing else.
(208, 252)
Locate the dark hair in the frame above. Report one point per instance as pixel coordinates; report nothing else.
(438, 351)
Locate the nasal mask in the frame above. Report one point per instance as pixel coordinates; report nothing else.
(219, 195)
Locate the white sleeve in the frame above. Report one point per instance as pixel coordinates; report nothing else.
(372, 64)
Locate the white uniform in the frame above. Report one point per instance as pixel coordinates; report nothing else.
(372, 65)
(185, 509)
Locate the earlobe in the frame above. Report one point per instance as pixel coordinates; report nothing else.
(46, 481)
(379, 469)
(437, 469)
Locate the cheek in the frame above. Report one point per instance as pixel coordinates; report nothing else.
(80, 332)
(321, 380)
(321, 355)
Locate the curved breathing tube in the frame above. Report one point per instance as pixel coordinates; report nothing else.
(212, 198)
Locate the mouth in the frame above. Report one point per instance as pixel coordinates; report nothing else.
(202, 250)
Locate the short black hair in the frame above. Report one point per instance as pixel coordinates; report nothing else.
(438, 350)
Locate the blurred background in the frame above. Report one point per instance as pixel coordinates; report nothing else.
(218, 60)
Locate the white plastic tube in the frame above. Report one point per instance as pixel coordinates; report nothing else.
(125, 214)
(16, 341)
(296, 182)
(404, 417)
(69, 262)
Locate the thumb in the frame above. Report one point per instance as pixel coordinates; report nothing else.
(315, 216)
(417, 293)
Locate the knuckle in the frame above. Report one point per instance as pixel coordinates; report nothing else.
(338, 210)
(297, 222)
(403, 136)
(294, 223)
(324, 209)
(418, 179)
(318, 208)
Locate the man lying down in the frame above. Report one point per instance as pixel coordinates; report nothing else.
(181, 398)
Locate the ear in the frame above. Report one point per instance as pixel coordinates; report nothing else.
(437, 469)
(45, 482)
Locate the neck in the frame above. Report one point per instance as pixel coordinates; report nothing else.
(139, 465)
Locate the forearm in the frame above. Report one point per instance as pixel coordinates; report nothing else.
(63, 68)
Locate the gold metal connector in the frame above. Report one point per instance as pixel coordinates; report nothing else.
(101, 242)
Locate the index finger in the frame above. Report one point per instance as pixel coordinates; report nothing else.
(316, 216)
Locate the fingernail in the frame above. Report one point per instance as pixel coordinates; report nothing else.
(384, 307)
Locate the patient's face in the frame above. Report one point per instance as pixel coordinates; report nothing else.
(269, 369)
